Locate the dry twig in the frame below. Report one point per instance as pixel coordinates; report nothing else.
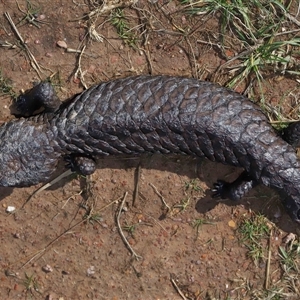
(136, 187)
(79, 73)
(40, 252)
(45, 186)
(137, 257)
(267, 281)
(109, 5)
(31, 57)
(177, 288)
(161, 196)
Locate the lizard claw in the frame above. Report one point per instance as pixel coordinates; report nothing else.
(219, 189)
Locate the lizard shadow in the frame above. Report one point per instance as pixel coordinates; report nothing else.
(5, 192)
(260, 199)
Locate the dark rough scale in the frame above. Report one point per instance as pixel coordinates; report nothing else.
(153, 114)
(292, 134)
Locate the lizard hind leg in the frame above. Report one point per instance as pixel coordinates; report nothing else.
(236, 189)
(83, 165)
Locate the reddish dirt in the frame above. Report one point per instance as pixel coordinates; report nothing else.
(90, 261)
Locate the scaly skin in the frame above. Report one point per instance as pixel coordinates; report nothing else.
(153, 114)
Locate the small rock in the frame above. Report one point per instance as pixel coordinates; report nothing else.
(232, 224)
(47, 269)
(91, 69)
(10, 209)
(90, 271)
(62, 44)
(17, 235)
(41, 17)
(290, 238)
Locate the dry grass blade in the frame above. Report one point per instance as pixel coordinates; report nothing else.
(136, 185)
(109, 5)
(161, 196)
(40, 252)
(137, 257)
(258, 34)
(105, 7)
(178, 289)
(6, 44)
(293, 19)
(267, 280)
(45, 186)
(79, 73)
(31, 57)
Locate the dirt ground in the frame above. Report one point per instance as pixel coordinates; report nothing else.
(49, 252)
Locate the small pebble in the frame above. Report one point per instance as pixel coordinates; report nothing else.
(91, 69)
(90, 271)
(290, 238)
(10, 209)
(65, 272)
(17, 235)
(232, 224)
(47, 269)
(62, 44)
(41, 17)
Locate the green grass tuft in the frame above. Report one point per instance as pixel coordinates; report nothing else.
(252, 231)
(6, 86)
(120, 22)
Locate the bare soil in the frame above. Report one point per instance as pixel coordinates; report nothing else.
(44, 256)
